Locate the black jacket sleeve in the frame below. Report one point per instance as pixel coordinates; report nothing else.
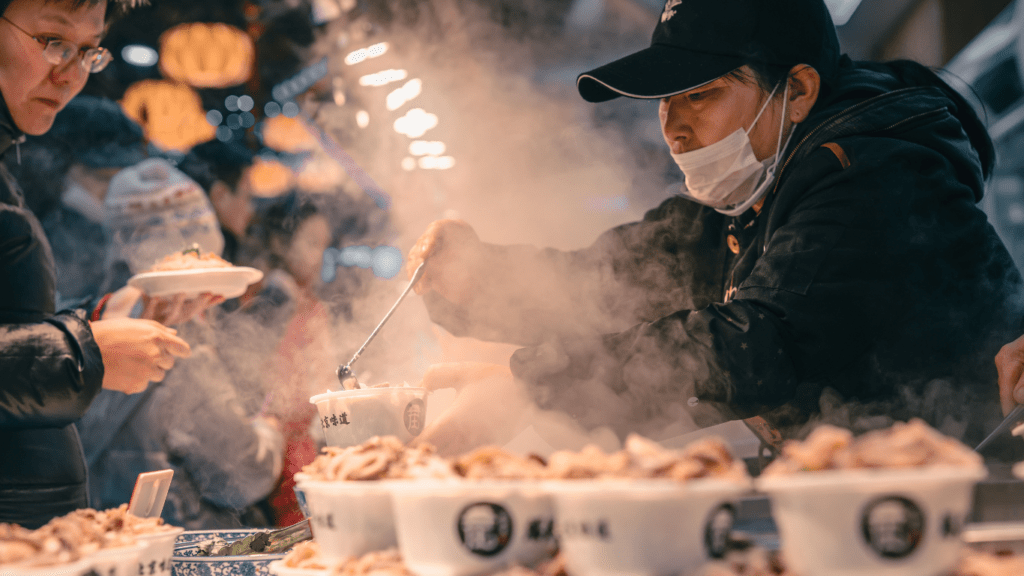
(50, 366)
(873, 263)
(641, 270)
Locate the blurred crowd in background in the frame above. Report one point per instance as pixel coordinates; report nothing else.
(217, 125)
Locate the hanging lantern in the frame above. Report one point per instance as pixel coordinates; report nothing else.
(268, 178)
(207, 55)
(170, 113)
(289, 135)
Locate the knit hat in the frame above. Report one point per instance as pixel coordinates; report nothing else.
(152, 210)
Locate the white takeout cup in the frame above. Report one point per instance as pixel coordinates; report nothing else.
(462, 528)
(118, 560)
(351, 417)
(80, 567)
(643, 526)
(350, 518)
(155, 558)
(877, 522)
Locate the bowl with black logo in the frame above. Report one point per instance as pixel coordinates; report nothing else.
(156, 558)
(351, 417)
(872, 521)
(349, 517)
(648, 526)
(468, 527)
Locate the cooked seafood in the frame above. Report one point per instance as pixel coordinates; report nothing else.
(76, 534)
(379, 458)
(904, 445)
(644, 458)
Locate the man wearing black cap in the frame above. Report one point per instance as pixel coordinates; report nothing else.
(824, 260)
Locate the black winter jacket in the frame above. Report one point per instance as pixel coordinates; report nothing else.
(50, 369)
(870, 287)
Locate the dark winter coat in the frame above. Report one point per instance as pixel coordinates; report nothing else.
(50, 369)
(870, 287)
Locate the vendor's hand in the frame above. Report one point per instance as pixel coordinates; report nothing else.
(450, 248)
(136, 352)
(1010, 365)
(488, 409)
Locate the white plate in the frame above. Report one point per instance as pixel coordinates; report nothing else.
(227, 282)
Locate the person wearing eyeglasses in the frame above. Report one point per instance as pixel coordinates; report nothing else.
(52, 364)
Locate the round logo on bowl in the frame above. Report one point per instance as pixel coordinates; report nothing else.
(718, 529)
(415, 412)
(485, 529)
(892, 526)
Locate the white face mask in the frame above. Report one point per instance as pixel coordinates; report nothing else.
(726, 175)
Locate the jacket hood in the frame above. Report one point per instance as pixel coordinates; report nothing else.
(9, 133)
(869, 98)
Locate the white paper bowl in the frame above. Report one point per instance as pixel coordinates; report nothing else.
(351, 417)
(649, 527)
(117, 561)
(155, 558)
(350, 518)
(903, 522)
(461, 528)
(78, 568)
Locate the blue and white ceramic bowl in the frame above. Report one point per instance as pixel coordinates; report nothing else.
(187, 561)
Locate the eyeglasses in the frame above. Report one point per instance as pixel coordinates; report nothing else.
(60, 52)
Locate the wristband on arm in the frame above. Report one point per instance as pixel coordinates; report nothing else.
(97, 313)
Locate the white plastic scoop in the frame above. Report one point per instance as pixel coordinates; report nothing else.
(149, 493)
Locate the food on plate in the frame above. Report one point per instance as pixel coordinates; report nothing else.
(379, 458)
(189, 259)
(643, 458)
(76, 534)
(904, 445)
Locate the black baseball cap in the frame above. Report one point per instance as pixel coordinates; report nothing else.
(697, 41)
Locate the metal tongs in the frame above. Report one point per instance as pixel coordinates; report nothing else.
(1011, 421)
(264, 542)
(345, 371)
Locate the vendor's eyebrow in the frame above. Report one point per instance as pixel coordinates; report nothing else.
(62, 20)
